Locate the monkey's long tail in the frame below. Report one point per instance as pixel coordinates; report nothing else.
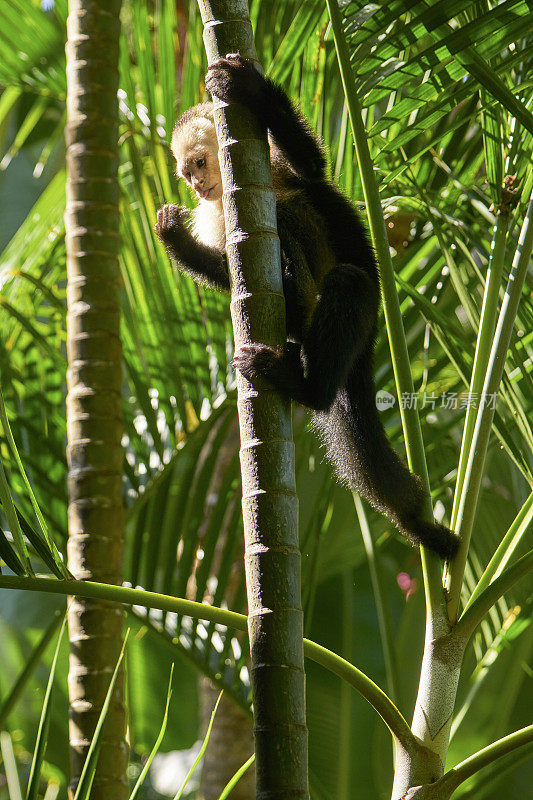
(364, 460)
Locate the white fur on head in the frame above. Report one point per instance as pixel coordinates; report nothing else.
(194, 140)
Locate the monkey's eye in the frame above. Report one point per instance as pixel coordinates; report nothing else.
(200, 163)
(187, 176)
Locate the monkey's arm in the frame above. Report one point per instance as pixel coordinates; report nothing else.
(204, 264)
(236, 79)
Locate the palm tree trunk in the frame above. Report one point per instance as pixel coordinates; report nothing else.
(230, 746)
(270, 505)
(94, 407)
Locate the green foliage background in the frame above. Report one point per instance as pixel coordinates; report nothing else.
(446, 91)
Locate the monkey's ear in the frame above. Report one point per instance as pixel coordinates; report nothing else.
(234, 79)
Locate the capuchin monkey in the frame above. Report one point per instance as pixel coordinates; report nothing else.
(331, 287)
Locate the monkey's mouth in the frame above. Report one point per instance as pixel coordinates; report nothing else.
(205, 195)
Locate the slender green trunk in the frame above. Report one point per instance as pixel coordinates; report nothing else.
(270, 506)
(489, 312)
(94, 407)
(496, 352)
(413, 765)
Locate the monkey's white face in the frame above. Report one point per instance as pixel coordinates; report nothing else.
(195, 149)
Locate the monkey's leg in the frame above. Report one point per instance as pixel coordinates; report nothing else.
(236, 79)
(204, 264)
(343, 323)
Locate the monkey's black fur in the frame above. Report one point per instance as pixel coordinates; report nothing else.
(331, 286)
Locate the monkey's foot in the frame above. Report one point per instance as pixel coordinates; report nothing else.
(282, 369)
(256, 361)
